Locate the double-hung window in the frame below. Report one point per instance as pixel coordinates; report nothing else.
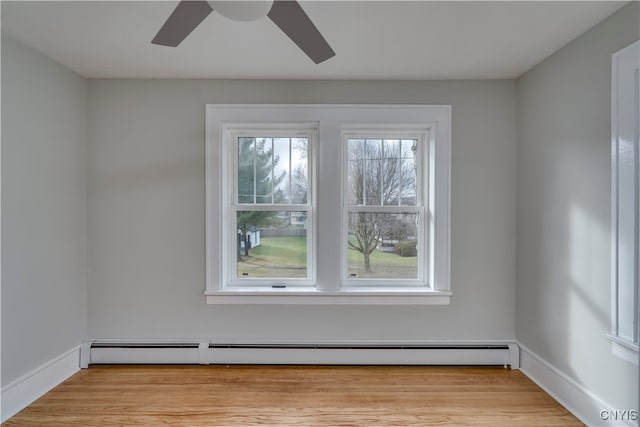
(270, 227)
(327, 204)
(384, 197)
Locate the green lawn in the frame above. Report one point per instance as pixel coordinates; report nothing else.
(276, 257)
(384, 265)
(286, 257)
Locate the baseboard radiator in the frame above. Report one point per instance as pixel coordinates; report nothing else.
(206, 353)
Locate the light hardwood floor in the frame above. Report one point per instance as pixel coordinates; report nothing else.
(295, 396)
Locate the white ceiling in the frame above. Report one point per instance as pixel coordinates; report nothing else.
(372, 39)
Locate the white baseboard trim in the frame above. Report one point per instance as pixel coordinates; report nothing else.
(586, 406)
(20, 393)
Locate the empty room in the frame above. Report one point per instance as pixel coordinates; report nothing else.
(230, 213)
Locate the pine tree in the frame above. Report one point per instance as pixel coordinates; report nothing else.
(257, 184)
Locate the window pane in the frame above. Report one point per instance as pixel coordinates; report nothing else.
(391, 174)
(272, 170)
(391, 148)
(373, 149)
(299, 170)
(355, 182)
(382, 172)
(356, 149)
(382, 245)
(281, 170)
(271, 244)
(373, 182)
(264, 178)
(246, 155)
(409, 148)
(407, 183)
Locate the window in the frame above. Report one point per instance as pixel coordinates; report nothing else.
(384, 208)
(625, 208)
(328, 204)
(270, 230)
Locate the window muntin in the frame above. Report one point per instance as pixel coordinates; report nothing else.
(271, 227)
(384, 236)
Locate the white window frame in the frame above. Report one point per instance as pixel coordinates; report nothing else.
(330, 121)
(625, 203)
(231, 133)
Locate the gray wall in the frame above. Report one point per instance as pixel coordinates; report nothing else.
(43, 209)
(563, 285)
(146, 211)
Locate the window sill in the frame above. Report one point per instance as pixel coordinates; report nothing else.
(623, 349)
(315, 297)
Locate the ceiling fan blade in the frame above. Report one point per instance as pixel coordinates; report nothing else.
(182, 21)
(289, 16)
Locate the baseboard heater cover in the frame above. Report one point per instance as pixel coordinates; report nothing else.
(144, 353)
(102, 352)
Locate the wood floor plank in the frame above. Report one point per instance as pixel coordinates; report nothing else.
(295, 396)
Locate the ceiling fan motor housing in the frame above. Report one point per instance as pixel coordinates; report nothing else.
(242, 10)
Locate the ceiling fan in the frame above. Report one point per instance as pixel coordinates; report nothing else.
(288, 15)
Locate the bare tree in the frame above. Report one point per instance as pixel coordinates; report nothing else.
(380, 174)
(367, 231)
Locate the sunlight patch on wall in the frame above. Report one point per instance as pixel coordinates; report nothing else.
(589, 244)
(589, 278)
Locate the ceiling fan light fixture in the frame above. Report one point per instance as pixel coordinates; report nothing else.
(243, 10)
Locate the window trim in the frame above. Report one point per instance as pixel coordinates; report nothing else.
(330, 119)
(624, 76)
